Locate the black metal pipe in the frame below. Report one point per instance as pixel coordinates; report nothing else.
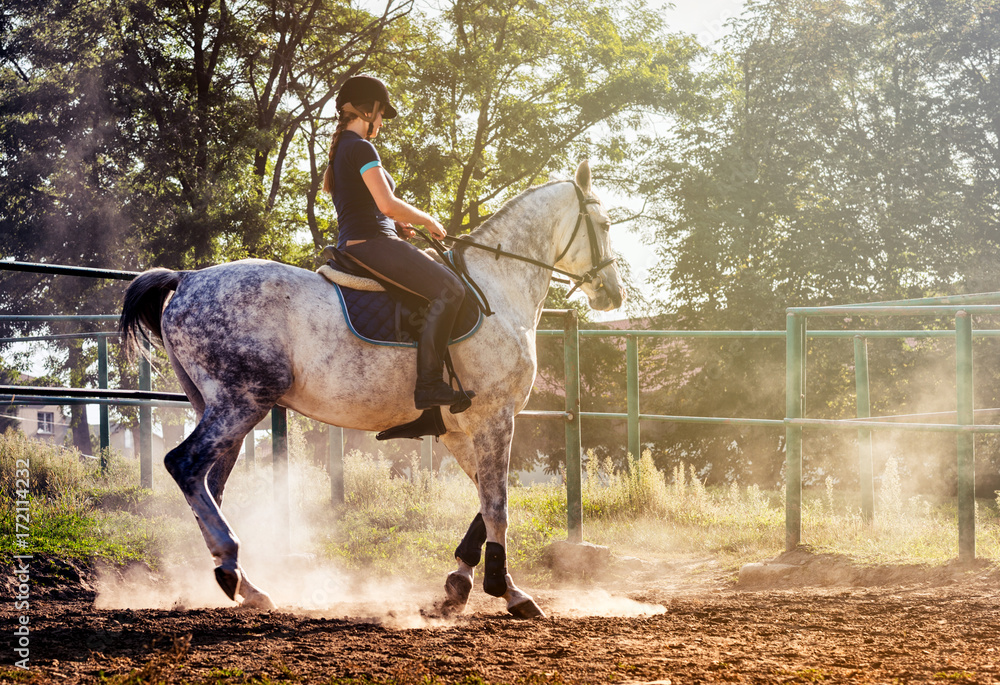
(28, 401)
(35, 391)
(58, 270)
(61, 336)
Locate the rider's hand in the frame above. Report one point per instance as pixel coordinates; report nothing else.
(436, 229)
(405, 230)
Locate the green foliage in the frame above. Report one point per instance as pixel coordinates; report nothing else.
(822, 177)
(641, 511)
(955, 675)
(834, 153)
(75, 511)
(206, 141)
(386, 519)
(507, 90)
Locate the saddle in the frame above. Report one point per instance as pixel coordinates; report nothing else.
(382, 314)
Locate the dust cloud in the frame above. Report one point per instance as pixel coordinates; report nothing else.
(305, 586)
(598, 602)
(309, 584)
(299, 583)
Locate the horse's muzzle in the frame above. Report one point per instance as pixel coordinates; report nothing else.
(605, 298)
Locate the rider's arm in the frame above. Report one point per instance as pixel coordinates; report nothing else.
(396, 209)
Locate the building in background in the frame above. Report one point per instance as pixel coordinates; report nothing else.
(50, 423)
(46, 423)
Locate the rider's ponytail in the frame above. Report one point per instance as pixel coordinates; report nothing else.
(343, 121)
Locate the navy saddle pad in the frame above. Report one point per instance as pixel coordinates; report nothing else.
(380, 318)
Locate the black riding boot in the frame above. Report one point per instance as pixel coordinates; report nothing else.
(432, 391)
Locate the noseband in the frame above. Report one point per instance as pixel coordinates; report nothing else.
(595, 248)
(583, 217)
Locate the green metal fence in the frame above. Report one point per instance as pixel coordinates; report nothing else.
(795, 420)
(962, 308)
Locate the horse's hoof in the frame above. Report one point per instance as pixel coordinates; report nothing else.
(259, 600)
(526, 609)
(457, 589)
(229, 580)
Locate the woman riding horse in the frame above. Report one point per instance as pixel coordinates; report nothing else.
(244, 336)
(370, 220)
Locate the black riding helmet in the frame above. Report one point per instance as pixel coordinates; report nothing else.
(362, 90)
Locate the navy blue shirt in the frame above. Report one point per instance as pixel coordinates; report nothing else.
(358, 217)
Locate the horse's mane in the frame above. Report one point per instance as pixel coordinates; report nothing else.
(507, 207)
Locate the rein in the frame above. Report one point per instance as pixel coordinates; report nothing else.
(577, 279)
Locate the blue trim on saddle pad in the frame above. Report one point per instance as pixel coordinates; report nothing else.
(375, 313)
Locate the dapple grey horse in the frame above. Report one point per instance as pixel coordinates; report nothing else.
(247, 335)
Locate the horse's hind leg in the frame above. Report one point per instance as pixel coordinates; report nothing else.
(220, 472)
(213, 445)
(253, 596)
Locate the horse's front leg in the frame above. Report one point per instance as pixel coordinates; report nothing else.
(469, 553)
(458, 586)
(492, 446)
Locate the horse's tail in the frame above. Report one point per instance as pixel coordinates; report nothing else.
(143, 305)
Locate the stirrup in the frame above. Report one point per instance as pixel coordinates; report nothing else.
(463, 403)
(428, 423)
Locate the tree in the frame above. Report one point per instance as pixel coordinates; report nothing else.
(510, 88)
(160, 132)
(154, 133)
(957, 41)
(845, 154)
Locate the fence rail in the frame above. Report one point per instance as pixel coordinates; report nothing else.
(961, 308)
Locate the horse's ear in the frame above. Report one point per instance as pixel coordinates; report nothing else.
(583, 176)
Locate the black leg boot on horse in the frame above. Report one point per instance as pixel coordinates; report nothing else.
(432, 345)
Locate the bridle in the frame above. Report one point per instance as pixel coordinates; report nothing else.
(584, 218)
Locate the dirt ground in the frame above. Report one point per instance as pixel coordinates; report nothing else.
(814, 619)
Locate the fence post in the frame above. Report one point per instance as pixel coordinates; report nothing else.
(632, 395)
(335, 457)
(145, 425)
(279, 464)
(574, 471)
(249, 449)
(866, 469)
(102, 382)
(966, 441)
(795, 337)
(427, 453)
